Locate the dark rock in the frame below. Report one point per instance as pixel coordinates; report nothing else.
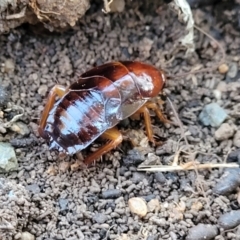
(159, 177)
(234, 156)
(134, 157)
(136, 227)
(111, 193)
(229, 220)
(111, 205)
(103, 233)
(147, 198)
(122, 171)
(4, 94)
(229, 182)
(92, 199)
(202, 232)
(172, 176)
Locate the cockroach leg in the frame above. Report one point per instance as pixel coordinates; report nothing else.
(57, 90)
(144, 110)
(115, 138)
(155, 108)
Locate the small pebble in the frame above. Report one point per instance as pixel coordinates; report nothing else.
(213, 115)
(63, 203)
(8, 160)
(117, 5)
(4, 95)
(123, 236)
(234, 156)
(27, 236)
(64, 166)
(236, 139)
(153, 237)
(111, 193)
(8, 66)
(138, 177)
(134, 157)
(223, 68)
(43, 89)
(217, 94)
(33, 188)
(202, 232)
(148, 198)
(228, 182)
(100, 218)
(153, 205)
(161, 222)
(222, 86)
(197, 206)
(20, 128)
(160, 178)
(23, 142)
(51, 170)
(233, 70)
(138, 206)
(225, 131)
(229, 220)
(18, 236)
(34, 77)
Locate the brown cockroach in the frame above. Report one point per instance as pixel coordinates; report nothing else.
(93, 105)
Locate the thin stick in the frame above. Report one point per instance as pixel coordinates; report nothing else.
(185, 167)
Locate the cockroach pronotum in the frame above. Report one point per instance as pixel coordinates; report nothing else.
(93, 105)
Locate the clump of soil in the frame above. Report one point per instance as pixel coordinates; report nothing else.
(55, 15)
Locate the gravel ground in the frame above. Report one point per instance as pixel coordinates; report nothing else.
(55, 198)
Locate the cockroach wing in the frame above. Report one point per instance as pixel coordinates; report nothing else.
(112, 71)
(131, 99)
(83, 114)
(122, 79)
(109, 92)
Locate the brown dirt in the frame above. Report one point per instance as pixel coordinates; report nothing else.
(54, 15)
(67, 204)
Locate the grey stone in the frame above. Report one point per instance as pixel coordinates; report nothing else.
(233, 70)
(229, 220)
(63, 203)
(100, 218)
(8, 160)
(202, 232)
(212, 115)
(33, 188)
(111, 193)
(159, 177)
(138, 177)
(225, 131)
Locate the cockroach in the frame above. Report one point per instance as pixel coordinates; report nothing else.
(93, 105)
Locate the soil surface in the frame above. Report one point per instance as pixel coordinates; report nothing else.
(64, 200)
